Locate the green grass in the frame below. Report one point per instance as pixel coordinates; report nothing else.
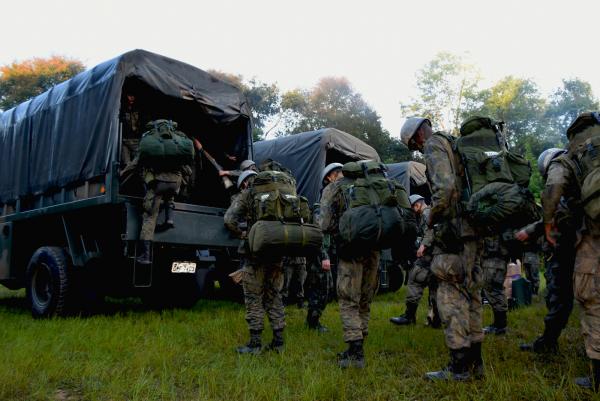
(135, 354)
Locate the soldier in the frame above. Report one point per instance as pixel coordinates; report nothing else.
(246, 165)
(294, 273)
(494, 261)
(556, 169)
(319, 268)
(356, 278)
(262, 279)
(584, 143)
(456, 252)
(420, 275)
(163, 181)
(132, 129)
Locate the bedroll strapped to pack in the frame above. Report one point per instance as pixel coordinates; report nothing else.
(376, 210)
(584, 148)
(162, 147)
(497, 179)
(281, 218)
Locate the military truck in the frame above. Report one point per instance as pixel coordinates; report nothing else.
(69, 226)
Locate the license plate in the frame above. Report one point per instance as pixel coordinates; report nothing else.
(183, 267)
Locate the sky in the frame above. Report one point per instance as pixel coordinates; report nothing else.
(378, 45)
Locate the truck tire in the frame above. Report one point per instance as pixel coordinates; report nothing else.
(48, 282)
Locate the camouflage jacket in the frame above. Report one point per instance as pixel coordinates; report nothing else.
(237, 217)
(444, 175)
(424, 233)
(332, 207)
(561, 191)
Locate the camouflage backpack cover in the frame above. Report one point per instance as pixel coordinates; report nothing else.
(377, 210)
(496, 196)
(165, 148)
(281, 218)
(584, 148)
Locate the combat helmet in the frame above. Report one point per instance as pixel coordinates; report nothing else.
(546, 157)
(415, 198)
(410, 127)
(246, 164)
(329, 168)
(246, 174)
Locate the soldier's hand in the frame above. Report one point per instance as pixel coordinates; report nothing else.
(549, 237)
(237, 276)
(326, 265)
(421, 251)
(522, 235)
(223, 173)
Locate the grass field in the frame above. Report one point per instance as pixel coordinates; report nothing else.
(129, 353)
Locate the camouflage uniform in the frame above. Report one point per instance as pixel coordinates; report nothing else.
(494, 262)
(294, 273)
(531, 264)
(357, 278)
(317, 282)
(420, 277)
(131, 132)
(160, 186)
(457, 250)
(262, 280)
(559, 260)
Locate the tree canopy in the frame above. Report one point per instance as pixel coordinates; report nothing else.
(20, 81)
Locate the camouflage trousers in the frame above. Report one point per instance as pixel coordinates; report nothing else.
(419, 278)
(559, 288)
(262, 284)
(531, 264)
(459, 294)
(316, 289)
(294, 273)
(156, 193)
(357, 283)
(494, 273)
(586, 284)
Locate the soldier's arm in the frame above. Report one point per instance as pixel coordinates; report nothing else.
(442, 179)
(328, 219)
(556, 184)
(237, 214)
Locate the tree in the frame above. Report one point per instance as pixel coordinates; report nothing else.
(23, 80)
(334, 103)
(566, 103)
(264, 99)
(446, 87)
(518, 103)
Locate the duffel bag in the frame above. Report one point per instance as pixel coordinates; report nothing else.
(276, 238)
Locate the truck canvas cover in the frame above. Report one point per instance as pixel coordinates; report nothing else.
(307, 153)
(410, 174)
(70, 133)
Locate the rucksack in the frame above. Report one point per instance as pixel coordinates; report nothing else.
(162, 147)
(281, 218)
(584, 148)
(497, 179)
(377, 211)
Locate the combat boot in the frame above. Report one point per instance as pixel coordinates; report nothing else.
(277, 341)
(354, 356)
(591, 383)
(476, 361)
(313, 323)
(254, 345)
(541, 345)
(457, 369)
(499, 325)
(145, 257)
(169, 223)
(409, 317)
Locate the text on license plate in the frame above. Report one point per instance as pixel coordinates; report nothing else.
(183, 267)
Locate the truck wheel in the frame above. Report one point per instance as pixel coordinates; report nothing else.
(48, 282)
(396, 277)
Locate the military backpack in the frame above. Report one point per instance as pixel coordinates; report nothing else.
(377, 210)
(584, 148)
(496, 196)
(165, 148)
(281, 218)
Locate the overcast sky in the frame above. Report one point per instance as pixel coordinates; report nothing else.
(377, 45)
